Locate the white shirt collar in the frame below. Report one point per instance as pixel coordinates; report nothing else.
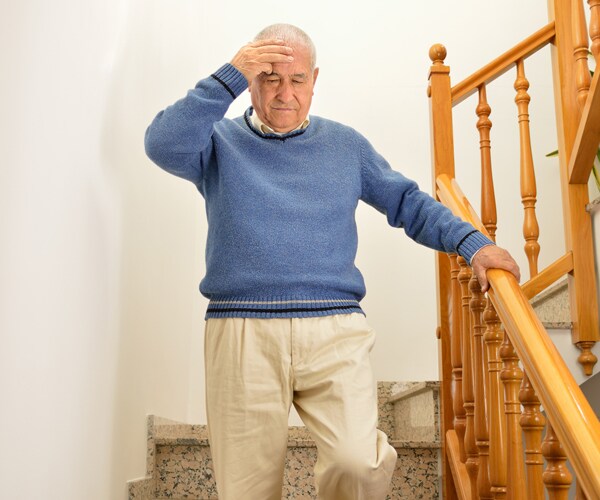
(265, 129)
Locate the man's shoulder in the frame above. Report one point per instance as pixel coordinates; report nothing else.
(226, 125)
(328, 125)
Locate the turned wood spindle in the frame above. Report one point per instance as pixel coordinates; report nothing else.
(456, 358)
(532, 422)
(495, 395)
(512, 376)
(464, 277)
(557, 477)
(531, 229)
(580, 53)
(595, 28)
(488, 198)
(477, 305)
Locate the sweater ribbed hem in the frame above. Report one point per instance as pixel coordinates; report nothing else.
(234, 81)
(471, 244)
(280, 307)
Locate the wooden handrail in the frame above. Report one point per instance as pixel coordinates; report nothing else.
(452, 196)
(568, 410)
(502, 64)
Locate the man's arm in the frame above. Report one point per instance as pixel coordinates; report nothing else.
(179, 137)
(493, 257)
(427, 221)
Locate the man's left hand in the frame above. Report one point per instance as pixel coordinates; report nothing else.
(493, 257)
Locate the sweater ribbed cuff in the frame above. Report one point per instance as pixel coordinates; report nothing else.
(234, 81)
(471, 244)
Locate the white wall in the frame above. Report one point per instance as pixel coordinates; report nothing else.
(101, 320)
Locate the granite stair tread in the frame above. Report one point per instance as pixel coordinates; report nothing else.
(197, 435)
(552, 306)
(179, 464)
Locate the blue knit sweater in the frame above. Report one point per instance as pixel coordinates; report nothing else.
(282, 235)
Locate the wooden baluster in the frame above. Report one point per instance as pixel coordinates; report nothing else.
(456, 358)
(468, 396)
(557, 477)
(497, 421)
(477, 304)
(512, 376)
(532, 422)
(580, 53)
(595, 28)
(493, 332)
(488, 197)
(531, 418)
(531, 229)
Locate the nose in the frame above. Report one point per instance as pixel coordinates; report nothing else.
(285, 91)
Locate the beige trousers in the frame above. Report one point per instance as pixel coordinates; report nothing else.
(257, 368)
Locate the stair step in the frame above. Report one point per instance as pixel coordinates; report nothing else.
(416, 412)
(185, 469)
(552, 306)
(180, 465)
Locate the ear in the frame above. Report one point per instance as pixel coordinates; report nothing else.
(315, 74)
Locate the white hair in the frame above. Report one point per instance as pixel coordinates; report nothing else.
(291, 34)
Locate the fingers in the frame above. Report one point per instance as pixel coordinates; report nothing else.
(483, 281)
(259, 57)
(493, 257)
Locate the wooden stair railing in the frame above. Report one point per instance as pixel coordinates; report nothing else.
(497, 364)
(567, 409)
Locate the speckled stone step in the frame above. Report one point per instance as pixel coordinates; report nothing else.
(179, 463)
(552, 306)
(417, 412)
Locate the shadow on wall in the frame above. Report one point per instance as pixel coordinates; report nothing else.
(159, 308)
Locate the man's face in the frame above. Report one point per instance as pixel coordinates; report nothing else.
(282, 99)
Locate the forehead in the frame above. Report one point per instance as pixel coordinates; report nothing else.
(300, 64)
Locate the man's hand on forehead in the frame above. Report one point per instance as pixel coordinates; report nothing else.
(259, 57)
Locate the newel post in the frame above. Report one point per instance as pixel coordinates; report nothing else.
(442, 155)
(577, 222)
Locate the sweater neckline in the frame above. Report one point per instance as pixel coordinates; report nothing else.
(279, 137)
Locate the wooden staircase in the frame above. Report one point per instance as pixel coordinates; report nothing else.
(179, 464)
(498, 364)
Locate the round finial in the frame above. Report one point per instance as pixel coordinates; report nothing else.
(437, 53)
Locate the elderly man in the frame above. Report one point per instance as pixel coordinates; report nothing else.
(284, 323)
